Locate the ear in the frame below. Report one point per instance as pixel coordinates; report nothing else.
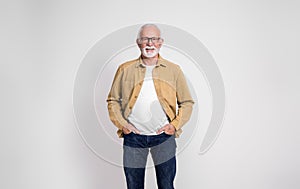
(139, 45)
(161, 43)
(137, 42)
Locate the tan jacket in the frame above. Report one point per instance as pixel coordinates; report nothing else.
(170, 86)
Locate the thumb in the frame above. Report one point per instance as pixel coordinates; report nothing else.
(161, 130)
(136, 131)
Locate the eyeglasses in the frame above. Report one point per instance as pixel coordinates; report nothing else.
(144, 40)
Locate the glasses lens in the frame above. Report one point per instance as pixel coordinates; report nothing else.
(147, 40)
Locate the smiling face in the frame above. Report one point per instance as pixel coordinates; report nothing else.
(149, 41)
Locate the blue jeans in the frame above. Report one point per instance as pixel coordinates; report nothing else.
(136, 149)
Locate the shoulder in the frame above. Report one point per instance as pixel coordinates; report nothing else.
(171, 65)
(128, 64)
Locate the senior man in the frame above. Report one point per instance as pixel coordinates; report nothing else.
(142, 104)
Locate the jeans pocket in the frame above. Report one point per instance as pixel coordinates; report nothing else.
(164, 133)
(127, 135)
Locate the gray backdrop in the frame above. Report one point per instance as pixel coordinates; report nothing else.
(254, 43)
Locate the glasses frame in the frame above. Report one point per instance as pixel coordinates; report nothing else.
(155, 40)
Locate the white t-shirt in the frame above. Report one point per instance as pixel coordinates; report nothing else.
(147, 115)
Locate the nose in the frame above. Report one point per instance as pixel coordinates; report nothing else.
(149, 41)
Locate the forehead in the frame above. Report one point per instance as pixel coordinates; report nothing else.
(150, 31)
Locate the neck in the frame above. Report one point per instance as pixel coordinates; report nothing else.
(150, 61)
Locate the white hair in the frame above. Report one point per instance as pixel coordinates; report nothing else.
(145, 26)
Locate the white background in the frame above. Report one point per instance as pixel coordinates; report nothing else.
(254, 43)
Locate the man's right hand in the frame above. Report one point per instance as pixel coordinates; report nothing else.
(130, 128)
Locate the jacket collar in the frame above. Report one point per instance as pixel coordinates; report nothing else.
(160, 62)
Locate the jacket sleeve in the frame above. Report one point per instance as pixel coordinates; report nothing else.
(114, 101)
(184, 102)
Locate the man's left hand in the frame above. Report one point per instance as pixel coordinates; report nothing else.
(168, 129)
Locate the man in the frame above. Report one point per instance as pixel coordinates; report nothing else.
(142, 104)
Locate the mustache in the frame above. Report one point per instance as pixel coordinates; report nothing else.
(149, 48)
